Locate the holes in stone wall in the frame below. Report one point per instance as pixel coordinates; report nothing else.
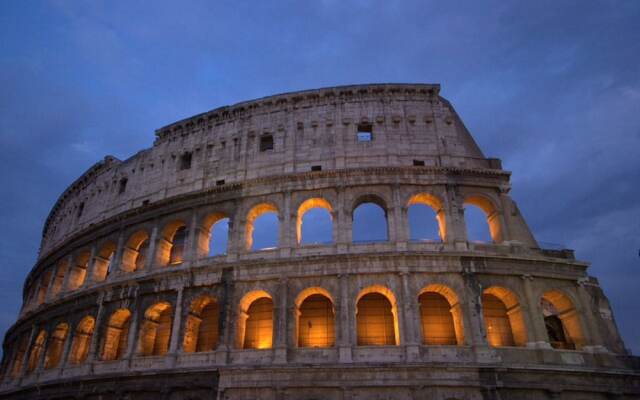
(369, 223)
(185, 160)
(563, 323)
(364, 132)
(122, 187)
(266, 143)
(314, 223)
(262, 227)
(116, 335)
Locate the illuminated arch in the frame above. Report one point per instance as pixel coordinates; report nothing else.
(18, 357)
(436, 205)
(377, 317)
(441, 316)
(205, 232)
(116, 335)
(134, 254)
(491, 212)
(255, 321)
(201, 325)
(172, 244)
(103, 261)
(314, 202)
(562, 307)
(36, 351)
(55, 346)
(78, 272)
(58, 279)
(155, 330)
(43, 286)
(503, 317)
(81, 340)
(315, 318)
(255, 212)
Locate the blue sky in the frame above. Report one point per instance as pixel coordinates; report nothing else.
(550, 87)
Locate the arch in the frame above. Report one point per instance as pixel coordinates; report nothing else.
(78, 272)
(55, 346)
(134, 253)
(315, 318)
(206, 237)
(103, 261)
(377, 317)
(18, 356)
(433, 202)
(201, 325)
(81, 340)
(171, 246)
(255, 321)
(375, 228)
(491, 212)
(58, 279)
(441, 316)
(307, 205)
(558, 309)
(253, 214)
(36, 350)
(503, 318)
(155, 331)
(116, 335)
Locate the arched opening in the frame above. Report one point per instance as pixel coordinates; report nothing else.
(103, 261)
(155, 332)
(36, 351)
(376, 317)
(56, 346)
(426, 218)
(562, 321)
(43, 286)
(116, 335)
(58, 279)
(213, 235)
(441, 316)
(370, 221)
(171, 246)
(503, 318)
(318, 229)
(18, 357)
(78, 272)
(255, 321)
(81, 340)
(201, 326)
(482, 220)
(134, 253)
(262, 227)
(315, 319)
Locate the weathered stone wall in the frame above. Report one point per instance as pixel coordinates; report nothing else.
(88, 268)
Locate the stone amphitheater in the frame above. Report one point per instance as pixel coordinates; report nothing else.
(129, 300)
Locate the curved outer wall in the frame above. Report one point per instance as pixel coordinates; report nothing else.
(219, 164)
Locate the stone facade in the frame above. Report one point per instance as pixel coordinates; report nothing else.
(126, 302)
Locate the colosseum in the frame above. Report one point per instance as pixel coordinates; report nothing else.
(149, 283)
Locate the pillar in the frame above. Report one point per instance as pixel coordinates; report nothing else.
(93, 345)
(177, 322)
(408, 331)
(25, 357)
(116, 264)
(67, 274)
(89, 278)
(594, 340)
(286, 227)
(345, 321)
(537, 332)
(191, 246)
(151, 251)
(281, 323)
(456, 227)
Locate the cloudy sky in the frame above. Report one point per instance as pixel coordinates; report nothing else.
(550, 87)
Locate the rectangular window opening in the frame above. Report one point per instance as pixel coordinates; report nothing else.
(123, 185)
(185, 161)
(220, 182)
(365, 133)
(418, 163)
(316, 168)
(266, 143)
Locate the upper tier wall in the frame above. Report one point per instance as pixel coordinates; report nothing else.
(310, 128)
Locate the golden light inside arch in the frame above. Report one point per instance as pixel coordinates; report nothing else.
(568, 315)
(386, 292)
(316, 202)
(454, 307)
(252, 215)
(514, 315)
(265, 332)
(492, 214)
(436, 205)
(315, 320)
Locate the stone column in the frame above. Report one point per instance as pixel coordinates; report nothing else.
(409, 317)
(177, 322)
(25, 357)
(153, 245)
(116, 262)
(132, 340)
(191, 246)
(344, 320)
(280, 311)
(399, 225)
(67, 347)
(474, 328)
(93, 344)
(285, 239)
(89, 278)
(344, 222)
(537, 333)
(67, 275)
(456, 227)
(49, 296)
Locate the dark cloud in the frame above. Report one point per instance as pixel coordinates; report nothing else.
(552, 88)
